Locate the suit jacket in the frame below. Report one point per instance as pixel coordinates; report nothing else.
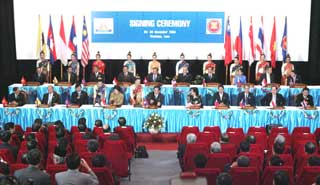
(250, 100)
(55, 99)
(73, 78)
(20, 98)
(150, 78)
(41, 79)
(184, 78)
(151, 96)
(290, 80)
(210, 80)
(128, 78)
(264, 76)
(265, 101)
(74, 177)
(39, 177)
(13, 149)
(300, 99)
(224, 100)
(83, 99)
(94, 77)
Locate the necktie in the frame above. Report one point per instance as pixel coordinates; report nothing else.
(50, 99)
(69, 77)
(154, 77)
(246, 99)
(210, 76)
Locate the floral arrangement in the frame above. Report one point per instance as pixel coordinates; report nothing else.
(155, 121)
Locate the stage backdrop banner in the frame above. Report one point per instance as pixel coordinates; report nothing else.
(203, 27)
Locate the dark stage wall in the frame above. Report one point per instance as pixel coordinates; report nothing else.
(11, 70)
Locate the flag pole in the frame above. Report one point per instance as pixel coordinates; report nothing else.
(84, 73)
(249, 66)
(61, 71)
(227, 69)
(50, 73)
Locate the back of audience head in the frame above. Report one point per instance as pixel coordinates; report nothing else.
(92, 145)
(73, 161)
(314, 161)
(9, 127)
(200, 161)
(281, 178)
(4, 168)
(122, 121)
(58, 123)
(114, 136)
(243, 161)
(280, 139)
(36, 125)
(10, 180)
(309, 147)
(82, 125)
(224, 138)
(5, 136)
(63, 143)
(98, 123)
(251, 139)
(88, 135)
(60, 132)
(191, 138)
(215, 147)
(99, 161)
(24, 158)
(244, 146)
(276, 161)
(106, 128)
(278, 148)
(59, 155)
(31, 137)
(33, 144)
(224, 179)
(317, 181)
(34, 157)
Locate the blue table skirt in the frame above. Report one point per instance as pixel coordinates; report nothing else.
(173, 96)
(175, 116)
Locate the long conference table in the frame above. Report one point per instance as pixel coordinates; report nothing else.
(173, 95)
(175, 117)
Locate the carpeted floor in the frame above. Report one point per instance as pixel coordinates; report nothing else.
(158, 169)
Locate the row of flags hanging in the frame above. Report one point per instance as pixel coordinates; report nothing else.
(254, 46)
(59, 50)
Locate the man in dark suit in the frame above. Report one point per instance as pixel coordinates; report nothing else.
(304, 98)
(79, 97)
(16, 97)
(5, 138)
(246, 97)
(51, 98)
(273, 99)
(155, 97)
(39, 76)
(221, 97)
(69, 76)
(293, 78)
(210, 77)
(268, 77)
(125, 75)
(96, 74)
(33, 172)
(154, 76)
(184, 76)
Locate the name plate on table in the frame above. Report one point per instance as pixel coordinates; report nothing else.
(212, 84)
(90, 83)
(151, 107)
(73, 106)
(33, 83)
(124, 84)
(11, 105)
(194, 107)
(273, 84)
(248, 107)
(298, 85)
(43, 106)
(277, 108)
(63, 84)
(182, 84)
(310, 108)
(249, 84)
(110, 106)
(221, 107)
(153, 84)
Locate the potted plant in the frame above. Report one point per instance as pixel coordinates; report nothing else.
(154, 123)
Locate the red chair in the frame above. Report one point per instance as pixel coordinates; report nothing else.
(235, 138)
(211, 174)
(300, 130)
(18, 128)
(269, 171)
(255, 160)
(214, 129)
(80, 146)
(17, 166)
(261, 139)
(207, 137)
(308, 175)
(276, 130)
(303, 137)
(286, 158)
(97, 131)
(53, 169)
(257, 129)
(274, 135)
(237, 130)
(182, 138)
(218, 160)
(104, 175)
(117, 153)
(74, 129)
(88, 156)
(28, 129)
(102, 138)
(7, 156)
(301, 162)
(229, 148)
(126, 133)
(317, 133)
(245, 176)
(191, 151)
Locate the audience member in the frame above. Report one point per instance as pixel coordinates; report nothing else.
(309, 148)
(92, 145)
(37, 124)
(224, 179)
(244, 146)
(276, 161)
(215, 147)
(281, 178)
(59, 155)
(251, 139)
(317, 181)
(200, 161)
(82, 125)
(314, 161)
(242, 161)
(5, 138)
(224, 138)
(278, 148)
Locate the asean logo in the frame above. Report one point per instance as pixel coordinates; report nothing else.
(213, 26)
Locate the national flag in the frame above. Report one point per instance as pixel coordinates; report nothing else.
(51, 44)
(242, 104)
(67, 102)
(204, 83)
(85, 44)
(216, 103)
(227, 45)
(238, 43)
(284, 41)
(252, 56)
(73, 39)
(145, 81)
(260, 45)
(62, 44)
(103, 102)
(304, 103)
(115, 81)
(273, 104)
(41, 43)
(273, 45)
(174, 82)
(264, 83)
